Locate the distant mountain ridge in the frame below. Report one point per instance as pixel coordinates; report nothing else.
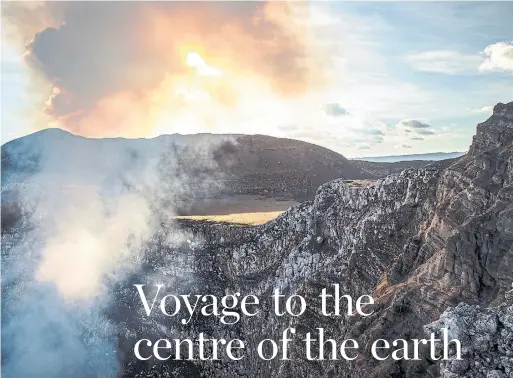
(209, 165)
(433, 156)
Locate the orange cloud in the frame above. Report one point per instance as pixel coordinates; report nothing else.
(121, 68)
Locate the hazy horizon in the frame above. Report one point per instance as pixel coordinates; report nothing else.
(368, 158)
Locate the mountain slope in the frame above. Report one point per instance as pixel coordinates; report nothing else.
(230, 164)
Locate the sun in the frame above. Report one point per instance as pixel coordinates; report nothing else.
(195, 61)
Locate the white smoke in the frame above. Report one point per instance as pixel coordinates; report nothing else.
(90, 208)
(91, 241)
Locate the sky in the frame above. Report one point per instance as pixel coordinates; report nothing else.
(361, 78)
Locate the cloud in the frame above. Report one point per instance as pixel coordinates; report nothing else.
(484, 109)
(376, 139)
(313, 125)
(413, 124)
(498, 57)
(403, 146)
(425, 132)
(288, 128)
(335, 110)
(116, 66)
(448, 62)
(361, 129)
(254, 93)
(374, 132)
(413, 129)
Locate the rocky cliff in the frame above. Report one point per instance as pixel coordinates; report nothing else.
(421, 242)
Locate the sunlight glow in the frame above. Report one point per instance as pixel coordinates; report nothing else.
(194, 60)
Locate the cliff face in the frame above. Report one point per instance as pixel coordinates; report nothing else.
(478, 259)
(421, 242)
